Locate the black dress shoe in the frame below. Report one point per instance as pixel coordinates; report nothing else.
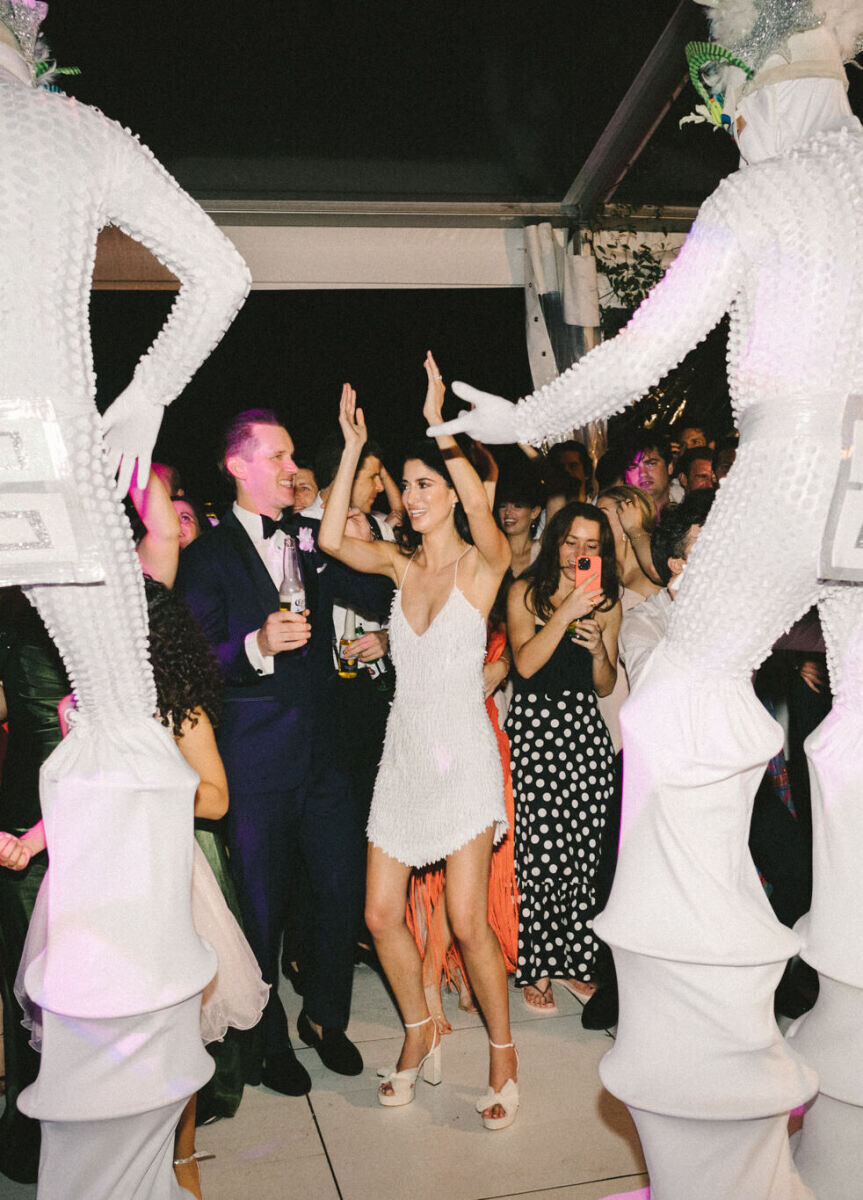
(334, 1048)
(284, 1073)
(600, 1012)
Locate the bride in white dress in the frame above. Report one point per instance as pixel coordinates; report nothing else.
(439, 792)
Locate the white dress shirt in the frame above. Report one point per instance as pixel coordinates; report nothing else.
(641, 631)
(271, 552)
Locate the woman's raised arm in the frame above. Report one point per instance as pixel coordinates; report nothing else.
(159, 548)
(488, 538)
(372, 557)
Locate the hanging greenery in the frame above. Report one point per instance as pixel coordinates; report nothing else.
(630, 276)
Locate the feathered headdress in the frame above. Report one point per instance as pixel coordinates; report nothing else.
(23, 18)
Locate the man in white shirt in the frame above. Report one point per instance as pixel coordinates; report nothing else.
(644, 626)
(369, 481)
(292, 801)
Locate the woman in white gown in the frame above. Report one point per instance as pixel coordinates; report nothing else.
(439, 792)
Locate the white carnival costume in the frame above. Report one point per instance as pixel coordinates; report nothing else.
(698, 1058)
(119, 982)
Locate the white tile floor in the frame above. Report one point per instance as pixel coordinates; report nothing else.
(571, 1141)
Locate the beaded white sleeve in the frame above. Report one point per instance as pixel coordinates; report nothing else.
(143, 200)
(685, 305)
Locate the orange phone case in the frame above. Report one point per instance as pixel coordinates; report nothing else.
(587, 565)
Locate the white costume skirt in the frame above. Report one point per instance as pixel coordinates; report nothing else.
(235, 996)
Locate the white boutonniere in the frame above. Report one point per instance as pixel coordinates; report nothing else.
(306, 539)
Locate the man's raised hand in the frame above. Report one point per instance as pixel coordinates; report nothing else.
(492, 419)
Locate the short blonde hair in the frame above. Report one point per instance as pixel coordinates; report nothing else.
(625, 491)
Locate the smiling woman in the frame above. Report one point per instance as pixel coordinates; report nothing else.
(439, 792)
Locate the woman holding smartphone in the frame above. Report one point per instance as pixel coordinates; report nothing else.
(563, 619)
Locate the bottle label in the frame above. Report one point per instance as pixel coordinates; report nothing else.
(347, 663)
(377, 667)
(293, 602)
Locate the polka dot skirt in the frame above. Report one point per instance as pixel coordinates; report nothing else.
(562, 775)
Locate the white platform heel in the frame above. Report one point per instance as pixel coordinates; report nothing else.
(403, 1082)
(507, 1097)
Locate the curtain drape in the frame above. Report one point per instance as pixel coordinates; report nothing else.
(562, 311)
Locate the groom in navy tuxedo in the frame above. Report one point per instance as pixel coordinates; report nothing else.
(290, 794)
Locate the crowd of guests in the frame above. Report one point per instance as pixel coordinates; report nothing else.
(572, 567)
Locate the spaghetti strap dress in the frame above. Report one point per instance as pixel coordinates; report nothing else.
(440, 782)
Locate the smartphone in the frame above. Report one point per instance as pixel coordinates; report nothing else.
(585, 566)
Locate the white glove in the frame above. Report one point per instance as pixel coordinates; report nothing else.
(130, 428)
(492, 419)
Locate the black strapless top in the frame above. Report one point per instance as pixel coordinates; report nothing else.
(570, 668)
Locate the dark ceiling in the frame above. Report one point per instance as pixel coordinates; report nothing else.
(389, 100)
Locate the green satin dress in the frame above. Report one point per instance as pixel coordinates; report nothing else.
(237, 1056)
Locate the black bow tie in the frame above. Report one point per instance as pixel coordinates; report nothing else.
(287, 522)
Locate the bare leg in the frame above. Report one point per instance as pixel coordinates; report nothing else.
(184, 1148)
(438, 937)
(386, 896)
(467, 872)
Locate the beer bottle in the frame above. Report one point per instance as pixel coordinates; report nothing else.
(378, 669)
(292, 591)
(348, 663)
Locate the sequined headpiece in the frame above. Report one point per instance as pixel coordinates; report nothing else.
(752, 30)
(747, 33)
(23, 19)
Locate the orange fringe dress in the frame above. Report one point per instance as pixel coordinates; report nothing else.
(427, 886)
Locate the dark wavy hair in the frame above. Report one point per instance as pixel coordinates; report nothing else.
(185, 669)
(543, 576)
(669, 537)
(427, 452)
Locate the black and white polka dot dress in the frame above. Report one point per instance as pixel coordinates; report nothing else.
(562, 779)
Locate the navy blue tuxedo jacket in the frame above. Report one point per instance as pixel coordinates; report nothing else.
(272, 726)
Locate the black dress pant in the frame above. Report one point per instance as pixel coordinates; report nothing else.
(316, 822)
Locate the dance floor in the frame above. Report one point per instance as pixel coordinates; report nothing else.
(571, 1141)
